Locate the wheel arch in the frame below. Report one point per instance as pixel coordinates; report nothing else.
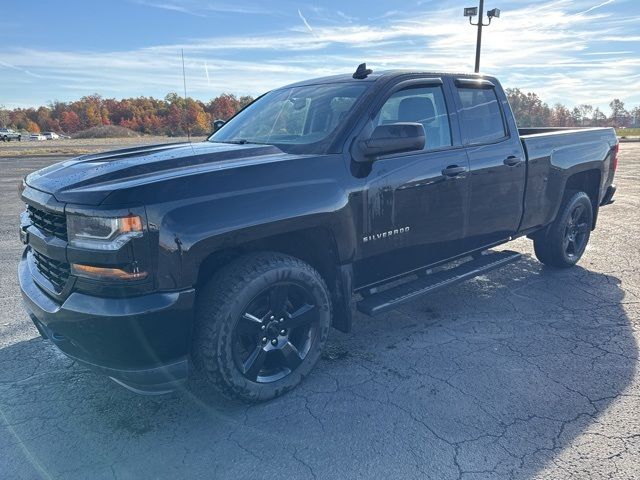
(316, 246)
(587, 181)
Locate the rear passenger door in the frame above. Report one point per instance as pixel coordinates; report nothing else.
(496, 160)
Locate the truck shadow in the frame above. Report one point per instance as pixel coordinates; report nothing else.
(497, 375)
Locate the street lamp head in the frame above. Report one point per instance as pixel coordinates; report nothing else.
(495, 13)
(471, 11)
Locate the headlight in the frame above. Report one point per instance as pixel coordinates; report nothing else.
(102, 233)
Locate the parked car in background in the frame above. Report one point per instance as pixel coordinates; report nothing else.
(7, 134)
(37, 136)
(51, 135)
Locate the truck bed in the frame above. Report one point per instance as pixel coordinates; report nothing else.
(555, 154)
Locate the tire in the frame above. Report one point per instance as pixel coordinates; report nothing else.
(261, 324)
(565, 240)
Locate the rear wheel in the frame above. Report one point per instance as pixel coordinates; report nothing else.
(565, 240)
(262, 322)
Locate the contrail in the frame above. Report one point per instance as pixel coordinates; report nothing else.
(306, 24)
(206, 71)
(606, 2)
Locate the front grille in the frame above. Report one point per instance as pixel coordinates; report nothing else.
(56, 272)
(54, 224)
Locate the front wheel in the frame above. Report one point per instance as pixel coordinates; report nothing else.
(565, 240)
(262, 322)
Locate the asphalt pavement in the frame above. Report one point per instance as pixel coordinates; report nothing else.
(528, 373)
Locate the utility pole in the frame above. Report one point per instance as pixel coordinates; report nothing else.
(479, 38)
(472, 12)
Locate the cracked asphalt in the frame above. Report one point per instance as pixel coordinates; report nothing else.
(527, 373)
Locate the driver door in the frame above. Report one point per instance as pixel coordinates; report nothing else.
(414, 204)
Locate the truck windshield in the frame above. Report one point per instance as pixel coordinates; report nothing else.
(303, 115)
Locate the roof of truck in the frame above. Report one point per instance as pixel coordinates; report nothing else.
(383, 74)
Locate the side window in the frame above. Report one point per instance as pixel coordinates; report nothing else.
(424, 105)
(481, 116)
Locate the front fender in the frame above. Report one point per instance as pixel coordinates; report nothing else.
(191, 230)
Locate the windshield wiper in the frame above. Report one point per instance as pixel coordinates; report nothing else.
(239, 141)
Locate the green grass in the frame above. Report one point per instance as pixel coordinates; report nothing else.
(628, 132)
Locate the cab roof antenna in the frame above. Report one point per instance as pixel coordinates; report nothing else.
(362, 72)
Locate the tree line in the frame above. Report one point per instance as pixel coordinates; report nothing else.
(531, 111)
(173, 115)
(170, 116)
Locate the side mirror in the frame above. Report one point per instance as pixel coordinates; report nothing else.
(217, 125)
(393, 138)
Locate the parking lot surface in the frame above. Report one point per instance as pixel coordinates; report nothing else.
(528, 373)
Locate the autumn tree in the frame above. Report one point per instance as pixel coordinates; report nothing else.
(561, 116)
(598, 119)
(528, 108)
(224, 106)
(635, 117)
(32, 127)
(582, 114)
(619, 115)
(70, 122)
(4, 117)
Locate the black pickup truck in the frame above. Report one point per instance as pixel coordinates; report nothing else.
(237, 255)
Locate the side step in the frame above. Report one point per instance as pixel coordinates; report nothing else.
(388, 299)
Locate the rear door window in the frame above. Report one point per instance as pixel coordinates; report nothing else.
(481, 116)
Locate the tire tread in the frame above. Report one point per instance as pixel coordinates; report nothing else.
(547, 245)
(215, 298)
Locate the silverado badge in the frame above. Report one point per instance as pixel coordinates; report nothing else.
(390, 233)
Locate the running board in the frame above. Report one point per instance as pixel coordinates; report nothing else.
(387, 299)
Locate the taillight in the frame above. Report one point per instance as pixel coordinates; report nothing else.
(614, 160)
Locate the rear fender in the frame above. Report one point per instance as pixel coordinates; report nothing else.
(567, 162)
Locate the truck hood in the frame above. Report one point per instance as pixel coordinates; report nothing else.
(89, 179)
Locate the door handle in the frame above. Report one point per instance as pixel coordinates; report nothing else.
(453, 171)
(512, 161)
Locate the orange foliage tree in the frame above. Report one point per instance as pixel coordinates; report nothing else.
(172, 115)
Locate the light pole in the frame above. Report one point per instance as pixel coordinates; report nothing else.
(472, 12)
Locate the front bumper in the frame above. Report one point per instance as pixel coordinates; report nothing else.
(140, 342)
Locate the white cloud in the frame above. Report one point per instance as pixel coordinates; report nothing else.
(169, 6)
(568, 51)
(200, 8)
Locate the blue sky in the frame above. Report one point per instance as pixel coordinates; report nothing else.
(569, 51)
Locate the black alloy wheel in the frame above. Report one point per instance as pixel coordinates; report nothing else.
(576, 232)
(564, 241)
(275, 333)
(261, 324)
